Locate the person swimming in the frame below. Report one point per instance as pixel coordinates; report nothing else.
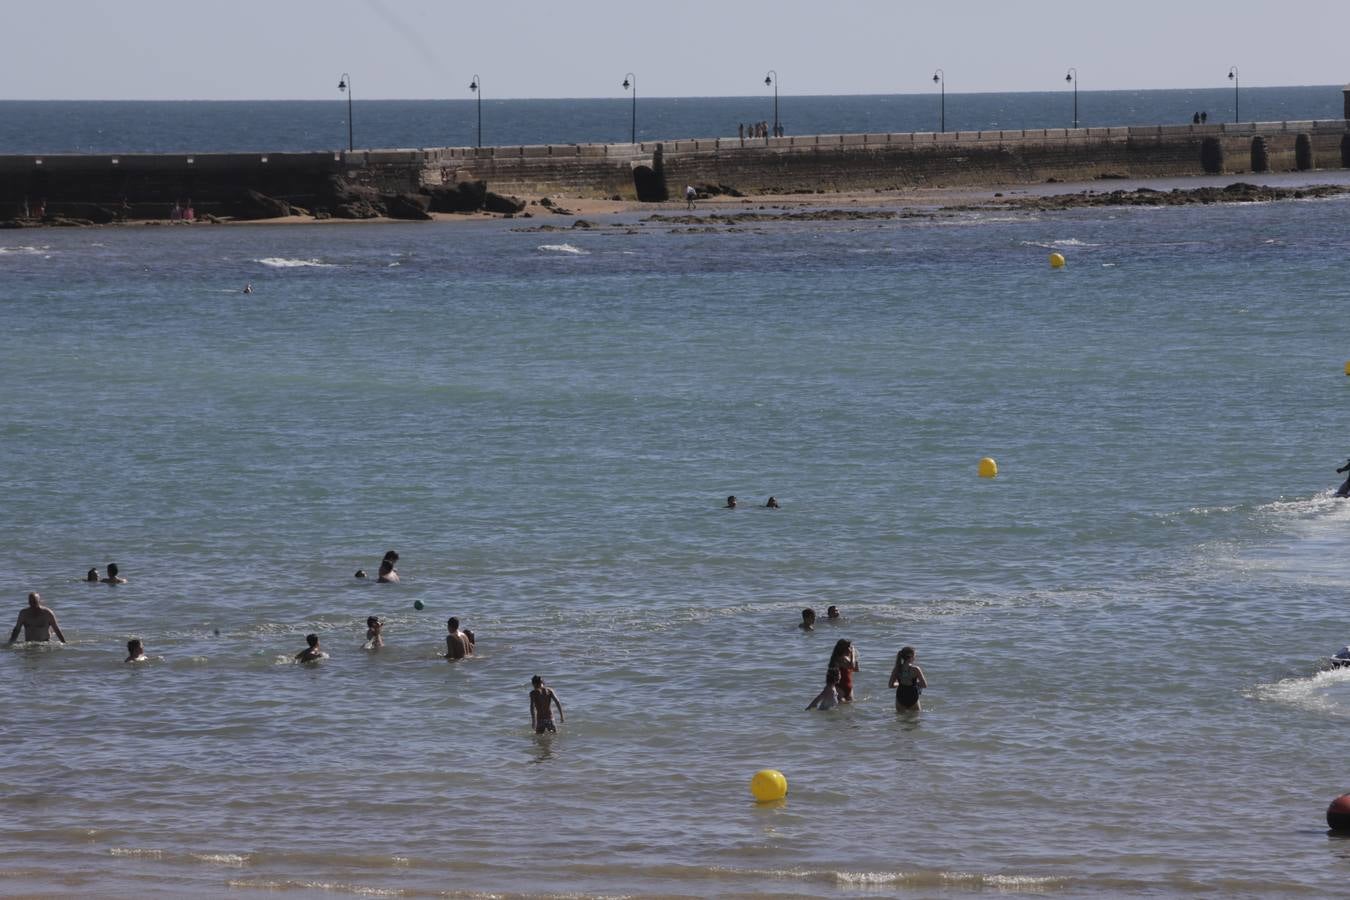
(374, 633)
(135, 651)
(1344, 490)
(772, 503)
(829, 697)
(92, 577)
(808, 622)
(113, 577)
(312, 652)
(731, 502)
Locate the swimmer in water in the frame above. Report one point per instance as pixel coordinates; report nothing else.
(92, 577)
(312, 653)
(113, 576)
(772, 503)
(248, 287)
(361, 573)
(1344, 489)
(135, 651)
(541, 716)
(808, 620)
(458, 644)
(387, 574)
(845, 659)
(731, 502)
(832, 615)
(908, 681)
(374, 635)
(829, 697)
(37, 621)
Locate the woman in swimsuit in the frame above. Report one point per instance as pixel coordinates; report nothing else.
(845, 659)
(829, 697)
(907, 679)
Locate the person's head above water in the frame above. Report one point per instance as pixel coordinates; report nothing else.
(537, 681)
(92, 576)
(452, 623)
(731, 502)
(772, 503)
(832, 612)
(135, 647)
(391, 556)
(34, 600)
(808, 616)
(373, 622)
(112, 570)
(360, 573)
(841, 647)
(312, 640)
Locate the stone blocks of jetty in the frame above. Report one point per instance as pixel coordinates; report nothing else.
(414, 184)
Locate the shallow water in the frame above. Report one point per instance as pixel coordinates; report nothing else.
(1122, 632)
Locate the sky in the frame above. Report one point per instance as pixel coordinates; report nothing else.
(430, 49)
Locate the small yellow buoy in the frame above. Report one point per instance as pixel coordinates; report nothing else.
(988, 468)
(1056, 260)
(1347, 368)
(768, 785)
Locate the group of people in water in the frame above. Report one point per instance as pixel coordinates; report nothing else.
(906, 678)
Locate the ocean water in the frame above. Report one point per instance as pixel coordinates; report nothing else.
(1122, 632)
(200, 126)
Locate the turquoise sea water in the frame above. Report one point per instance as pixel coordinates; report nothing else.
(1122, 632)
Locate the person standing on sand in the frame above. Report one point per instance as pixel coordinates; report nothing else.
(541, 716)
(908, 681)
(37, 621)
(690, 195)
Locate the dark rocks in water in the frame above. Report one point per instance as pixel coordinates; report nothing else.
(498, 204)
(582, 223)
(254, 205)
(1237, 192)
(408, 206)
(467, 196)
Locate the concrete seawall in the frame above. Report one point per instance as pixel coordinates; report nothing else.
(109, 187)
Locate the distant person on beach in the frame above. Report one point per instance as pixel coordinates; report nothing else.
(740, 132)
(374, 633)
(808, 620)
(541, 716)
(1195, 119)
(829, 697)
(112, 576)
(37, 621)
(1204, 117)
(690, 195)
(311, 653)
(731, 502)
(458, 643)
(845, 659)
(907, 679)
(832, 615)
(771, 503)
(1344, 489)
(135, 651)
(92, 576)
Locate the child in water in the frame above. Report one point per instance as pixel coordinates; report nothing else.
(311, 653)
(135, 651)
(374, 638)
(908, 680)
(829, 697)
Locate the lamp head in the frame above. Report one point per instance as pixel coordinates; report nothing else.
(342, 84)
(1068, 76)
(1230, 74)
(767, 81)
(473, 85)
(625, 84)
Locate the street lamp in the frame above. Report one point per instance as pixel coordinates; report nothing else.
(1233, 77)
(940, 79)
(345, 84)
(476, 87)
(772, 79)
(630, 77)
(1072, 75)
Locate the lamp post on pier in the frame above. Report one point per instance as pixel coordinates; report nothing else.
(345, 85)
(631, 78)
(1072, 75)
(940, 79)
(1233, 77)
(477, 87)
(772, 79)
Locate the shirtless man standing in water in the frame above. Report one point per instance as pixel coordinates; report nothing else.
(37, 622)
(458, 643)
(541, 716)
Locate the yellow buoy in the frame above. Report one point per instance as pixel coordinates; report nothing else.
(1347, 368)
(768, 785)
(1056, 260)
(988, 468)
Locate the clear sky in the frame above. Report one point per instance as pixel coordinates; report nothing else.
(416, 49)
